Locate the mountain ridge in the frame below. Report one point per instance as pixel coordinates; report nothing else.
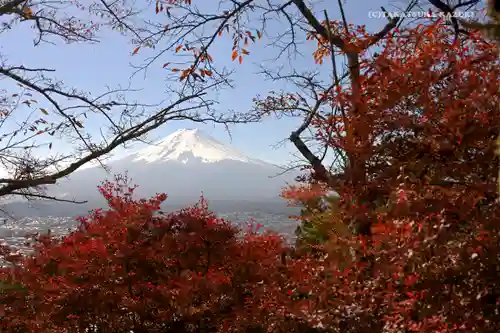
(185, 165)
(184, 142)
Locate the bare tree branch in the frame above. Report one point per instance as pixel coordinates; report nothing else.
(41, 115)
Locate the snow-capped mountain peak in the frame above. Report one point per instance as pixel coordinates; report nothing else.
(186, 144)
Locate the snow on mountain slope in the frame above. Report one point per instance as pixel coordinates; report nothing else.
(184, 165)
(184, 144)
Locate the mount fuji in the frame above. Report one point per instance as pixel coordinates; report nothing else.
(188, 146)
(185, 164)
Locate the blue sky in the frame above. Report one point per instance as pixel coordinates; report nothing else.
(90, 67)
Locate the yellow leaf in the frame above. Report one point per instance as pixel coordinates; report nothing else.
(136, 50)
(44, 111)
(234, 55)
(178, 48)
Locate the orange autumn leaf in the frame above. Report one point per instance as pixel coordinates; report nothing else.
(245, 51)
(27, 11)
(178, 48)
(185, 74)
(136, 50)
(208, 73)
(258, 34)
(240, 59)
(234, 55)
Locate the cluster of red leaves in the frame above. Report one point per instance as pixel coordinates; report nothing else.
(300, 193)
(129, 268)
(431, 262)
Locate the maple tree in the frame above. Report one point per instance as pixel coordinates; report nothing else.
(427, 157)
(131, 268)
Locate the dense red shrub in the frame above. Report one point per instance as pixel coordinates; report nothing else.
(129, 268)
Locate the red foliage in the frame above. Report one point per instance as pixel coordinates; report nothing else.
(422, 178)
(128, 268)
